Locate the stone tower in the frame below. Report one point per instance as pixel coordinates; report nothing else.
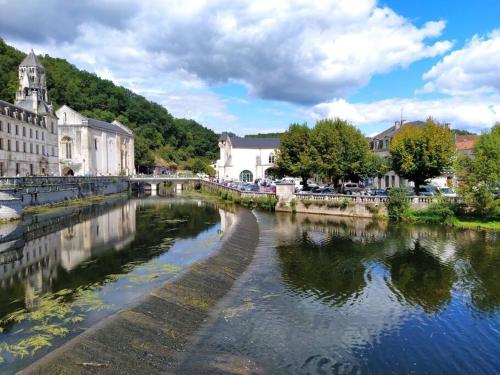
(32, 94)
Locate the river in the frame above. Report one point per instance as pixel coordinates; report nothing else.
(322, 295)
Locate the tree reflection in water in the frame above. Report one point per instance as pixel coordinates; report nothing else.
(330, 258)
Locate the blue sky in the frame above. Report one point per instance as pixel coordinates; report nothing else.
(252, 66)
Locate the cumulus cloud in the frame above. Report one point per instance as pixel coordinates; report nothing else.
(472, 70)
(299, 51)
(473, 114)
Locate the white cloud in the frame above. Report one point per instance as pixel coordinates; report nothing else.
(473, 113)
(299, 51)
(472, 70)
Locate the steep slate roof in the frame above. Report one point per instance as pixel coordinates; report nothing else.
(93, 123)
(238, 142)
(31, 60)
(389, 133)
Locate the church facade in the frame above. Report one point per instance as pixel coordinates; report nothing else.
(28, 128)
(90, 147)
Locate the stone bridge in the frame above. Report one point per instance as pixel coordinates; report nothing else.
(151, 182)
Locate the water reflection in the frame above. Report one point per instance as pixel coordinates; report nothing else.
(92, 264)
(332, 258)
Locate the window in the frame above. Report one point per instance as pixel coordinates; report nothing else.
(37, 149)
(17, 129)
(1, 168)
(8, 144)
(43, 136)
(8, 127)
(246, 176)
(68, 150)
(31, 133)
(36, 134)
(1, 126)
(271, 158)
(65, 117)
(53, 152)
(31, 147)
(95, 143)
(52, 127)
(31, 169)
(393, 182)
(24, 131)
(43, 150)
(18, 168)
(17, 146)
(24, 146)
(1, 143)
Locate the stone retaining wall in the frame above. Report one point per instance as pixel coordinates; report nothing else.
(147, 338)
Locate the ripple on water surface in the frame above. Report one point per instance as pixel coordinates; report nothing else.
(63, 282)
(344, 296)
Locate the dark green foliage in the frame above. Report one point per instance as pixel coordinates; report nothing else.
(398, 205)
(153, 126)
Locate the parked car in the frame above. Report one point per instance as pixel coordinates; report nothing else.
(447, 192)
(250, 187)
(427, 191)
(350, 188)
(377, 192)
(309, 188)
(325, 190)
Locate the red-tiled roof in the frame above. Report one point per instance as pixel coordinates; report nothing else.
(465, 142)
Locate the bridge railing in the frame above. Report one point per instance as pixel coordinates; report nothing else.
(214, 186)
(22, 182)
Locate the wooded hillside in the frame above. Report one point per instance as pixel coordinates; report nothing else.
(159, 135)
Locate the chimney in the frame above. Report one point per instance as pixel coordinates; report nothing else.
(397, 125)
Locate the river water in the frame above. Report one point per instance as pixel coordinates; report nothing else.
(329, 295)
(55, 285)
(323, 295)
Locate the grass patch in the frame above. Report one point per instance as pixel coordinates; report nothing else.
(80, 202)
(471, 223)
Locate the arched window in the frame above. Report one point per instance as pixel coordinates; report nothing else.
(64, 117)
(271, 158)
(66, 143)
(246, 176)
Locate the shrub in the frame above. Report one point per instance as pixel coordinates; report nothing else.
(373, 208)
(293, 205)
(398, 204)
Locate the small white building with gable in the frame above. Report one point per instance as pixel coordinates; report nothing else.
(90, 147)
(245, 159)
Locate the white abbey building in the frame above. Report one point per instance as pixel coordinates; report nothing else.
(245, 159)
(28, 128)
(89, 147)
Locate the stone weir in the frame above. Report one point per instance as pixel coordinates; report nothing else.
(150, 336)
(19, 192)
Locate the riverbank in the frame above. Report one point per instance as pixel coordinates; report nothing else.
(73, 203)
(146, 338)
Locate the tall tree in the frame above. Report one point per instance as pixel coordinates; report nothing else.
(422, 152)
(481, 174)
(295, 156)
(341, 150)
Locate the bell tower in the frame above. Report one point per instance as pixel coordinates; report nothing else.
(32, 94)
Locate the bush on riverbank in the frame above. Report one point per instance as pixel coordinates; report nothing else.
(266, 202)
(398, 205)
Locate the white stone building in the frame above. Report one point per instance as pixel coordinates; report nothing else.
(89, 147)
(245, 159)
(28, 128)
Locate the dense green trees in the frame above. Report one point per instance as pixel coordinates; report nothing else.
(422, 152)
(332, 149)
(153, 126)
(481, 174)
(295, 156)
